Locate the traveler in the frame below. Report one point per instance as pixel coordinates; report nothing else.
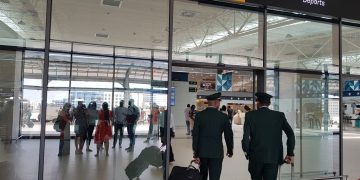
(92, 116)
(230, 113)
(81, 126)
(119, 123)
(132, 117)
(262, 140)
(192, 117)
(64, 145)
(187, 119)
(103, 130)
(210, 124)
(153, 126)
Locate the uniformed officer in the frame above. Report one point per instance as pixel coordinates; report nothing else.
(262, 140)
(209, 126)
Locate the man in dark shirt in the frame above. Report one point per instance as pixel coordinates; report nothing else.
(262, 140)
(209, 126)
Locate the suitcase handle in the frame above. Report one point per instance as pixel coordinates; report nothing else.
(191, 165)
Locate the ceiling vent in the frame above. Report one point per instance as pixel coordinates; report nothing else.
(114, 3)
(101, 35)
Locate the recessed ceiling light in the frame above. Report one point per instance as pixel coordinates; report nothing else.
(101, 35)
(114, 3)
(157, 41)
(188, 13)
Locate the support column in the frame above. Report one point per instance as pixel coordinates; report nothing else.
(45, 89)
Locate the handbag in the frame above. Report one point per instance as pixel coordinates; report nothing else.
(237, 119)
(57, 124)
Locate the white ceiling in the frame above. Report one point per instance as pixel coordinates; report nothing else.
(198, 29)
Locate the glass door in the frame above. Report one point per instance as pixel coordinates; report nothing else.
(311, 105)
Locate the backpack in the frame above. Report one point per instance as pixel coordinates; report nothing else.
(57, 124)
(131, 118)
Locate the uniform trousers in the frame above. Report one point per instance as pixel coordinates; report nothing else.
(211, 167)
(263, 171)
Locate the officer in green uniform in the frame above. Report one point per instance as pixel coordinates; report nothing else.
(209, 126)
(262, 140)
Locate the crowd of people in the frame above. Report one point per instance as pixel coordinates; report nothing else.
(85, 124)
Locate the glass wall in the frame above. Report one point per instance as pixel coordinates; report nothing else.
(210, 34)
(310, 100)
(351, 99)
(109, 58)
(20, 105)
(110, 50)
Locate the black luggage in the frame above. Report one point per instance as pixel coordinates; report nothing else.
(136, 168)
(185, 173)
(152, 155)
(148, 156)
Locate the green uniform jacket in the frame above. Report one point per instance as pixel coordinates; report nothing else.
(209, 126)
(262, 140)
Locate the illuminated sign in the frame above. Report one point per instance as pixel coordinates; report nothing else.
(314, 2)
(335, 8)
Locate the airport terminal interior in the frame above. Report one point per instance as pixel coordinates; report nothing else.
(118, 50)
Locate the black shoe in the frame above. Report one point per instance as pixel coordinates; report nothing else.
(129, 149)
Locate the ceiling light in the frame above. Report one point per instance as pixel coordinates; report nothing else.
(5, 1)
(101, 35)
(188, 14)
(157, 41)
(114, 3)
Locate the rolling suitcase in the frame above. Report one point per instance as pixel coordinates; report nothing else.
(152, 155)
(291, 173)
(136, 168)
(185, 173)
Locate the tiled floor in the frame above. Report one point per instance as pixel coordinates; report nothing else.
(22, 157)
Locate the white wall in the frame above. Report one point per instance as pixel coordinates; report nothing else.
(182, 98)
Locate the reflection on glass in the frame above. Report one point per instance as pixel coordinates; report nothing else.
(19, 109)
(218, 36)
(300, 44)
(25, 29)
(311, 104)
(350, 50)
